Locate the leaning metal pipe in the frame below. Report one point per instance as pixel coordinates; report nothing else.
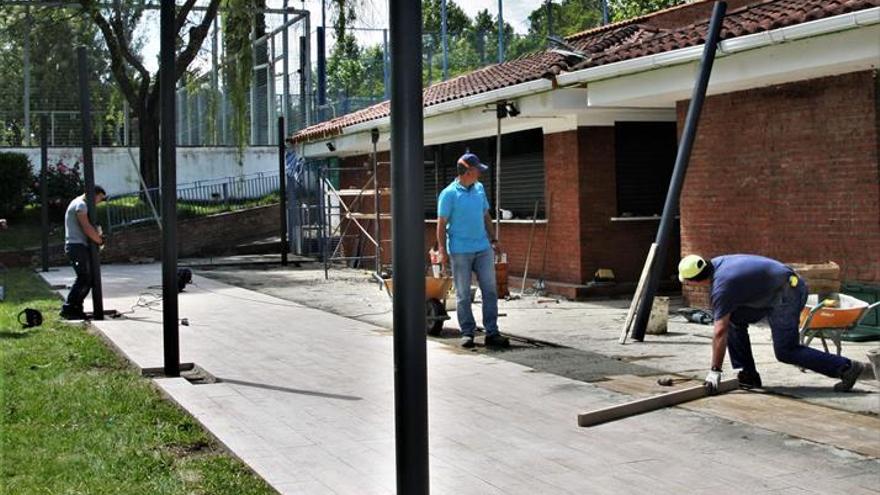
(670, 209)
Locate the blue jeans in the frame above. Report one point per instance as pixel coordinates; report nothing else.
(80, 259)
(784, 318)
(483, 264)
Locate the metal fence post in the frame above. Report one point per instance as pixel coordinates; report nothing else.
(282, 190)
(170, 329)
(44, 193)
(89, 175)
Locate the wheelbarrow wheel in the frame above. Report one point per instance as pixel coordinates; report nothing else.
(435, 314)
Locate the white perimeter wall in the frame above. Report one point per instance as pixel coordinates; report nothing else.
(115, 169)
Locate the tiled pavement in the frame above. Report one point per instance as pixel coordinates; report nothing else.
(307, 401)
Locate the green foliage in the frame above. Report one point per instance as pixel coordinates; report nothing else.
(63, 182)
(237, 22)
(15, 169)
(345, 70)
(54, 36)
(627, 9)
(569, 17)
(75, 418)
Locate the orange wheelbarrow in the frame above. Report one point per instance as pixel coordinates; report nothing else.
(832, 318)
(436, 292)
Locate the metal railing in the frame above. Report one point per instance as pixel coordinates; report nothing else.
(195, 199)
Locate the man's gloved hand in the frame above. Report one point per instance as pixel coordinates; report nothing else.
(713, 381)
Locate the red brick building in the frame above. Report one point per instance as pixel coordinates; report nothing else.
(785, 162)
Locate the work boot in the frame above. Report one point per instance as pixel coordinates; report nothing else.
(749, 379)
(497, 340)
(72, 315)
(849, 376)
(467, 341)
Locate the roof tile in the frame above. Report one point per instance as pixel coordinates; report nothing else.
(670, 29)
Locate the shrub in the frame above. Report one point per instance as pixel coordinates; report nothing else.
(15, 169)
(64, 183)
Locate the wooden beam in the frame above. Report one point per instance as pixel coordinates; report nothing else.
(649, 404)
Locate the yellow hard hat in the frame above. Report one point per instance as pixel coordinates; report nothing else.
(690, 266)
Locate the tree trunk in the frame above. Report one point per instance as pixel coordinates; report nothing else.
(149, 151)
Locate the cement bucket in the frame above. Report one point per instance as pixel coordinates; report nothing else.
(874, 359)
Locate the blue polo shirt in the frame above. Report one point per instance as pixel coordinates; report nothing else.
(464, 209)
(746, 281)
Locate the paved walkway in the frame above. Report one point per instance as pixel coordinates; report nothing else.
(592, 326)
(307, 401)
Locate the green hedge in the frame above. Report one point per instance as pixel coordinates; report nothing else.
(16, 184)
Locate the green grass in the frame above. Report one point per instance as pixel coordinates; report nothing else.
(24, 232)
(76, 420)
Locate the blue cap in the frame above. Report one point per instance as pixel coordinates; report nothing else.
(473, 161)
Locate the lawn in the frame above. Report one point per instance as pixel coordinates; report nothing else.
(75, 419)
(24, 231)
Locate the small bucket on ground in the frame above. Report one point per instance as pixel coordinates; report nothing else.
(874, 359)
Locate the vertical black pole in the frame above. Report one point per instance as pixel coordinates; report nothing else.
(303, 92)
(89, 175)
(44, 192)
(407, 200)
(670, 209)
(282, 190)
(377, 201)
(604, 12)
(322, 68)
(167, 80)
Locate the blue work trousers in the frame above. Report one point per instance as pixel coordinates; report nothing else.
(464, 265)
(784, 319)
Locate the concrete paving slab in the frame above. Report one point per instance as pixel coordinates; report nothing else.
(592, 327)
(307, 402)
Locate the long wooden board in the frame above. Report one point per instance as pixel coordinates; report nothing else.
(649, 404)
(634, 305)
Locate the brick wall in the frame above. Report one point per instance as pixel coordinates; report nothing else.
(580, 237)
(213, 234)
(620, 246)
(789, 172)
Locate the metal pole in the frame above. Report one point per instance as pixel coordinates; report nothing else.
(377, 231)
(407, 173)
(170, 336)
(285, 82)
(89, 176)
(386, 64)
(444, 40)
(500, 31)
(44, 193)
(215, 85)
(308, 72)
(282, 189)
(270, 90)
(303, 96)
(253, 106)
(549, 18)
(498, 176)
(604, 12)
(26, 62)
(322, 69)
(670, 208)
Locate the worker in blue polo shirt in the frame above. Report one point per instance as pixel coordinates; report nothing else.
(746, 288)
(463, 226)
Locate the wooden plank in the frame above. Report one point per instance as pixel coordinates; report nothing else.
(368, 216)
(638, 294)
(796, 417)
(365, 192)
(820, 277)
(648, 404)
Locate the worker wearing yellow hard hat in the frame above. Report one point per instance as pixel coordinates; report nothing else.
(745, 289)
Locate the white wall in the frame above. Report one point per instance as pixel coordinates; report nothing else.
(115, 169)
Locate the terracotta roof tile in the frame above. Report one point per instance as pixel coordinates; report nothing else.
(670, 29)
